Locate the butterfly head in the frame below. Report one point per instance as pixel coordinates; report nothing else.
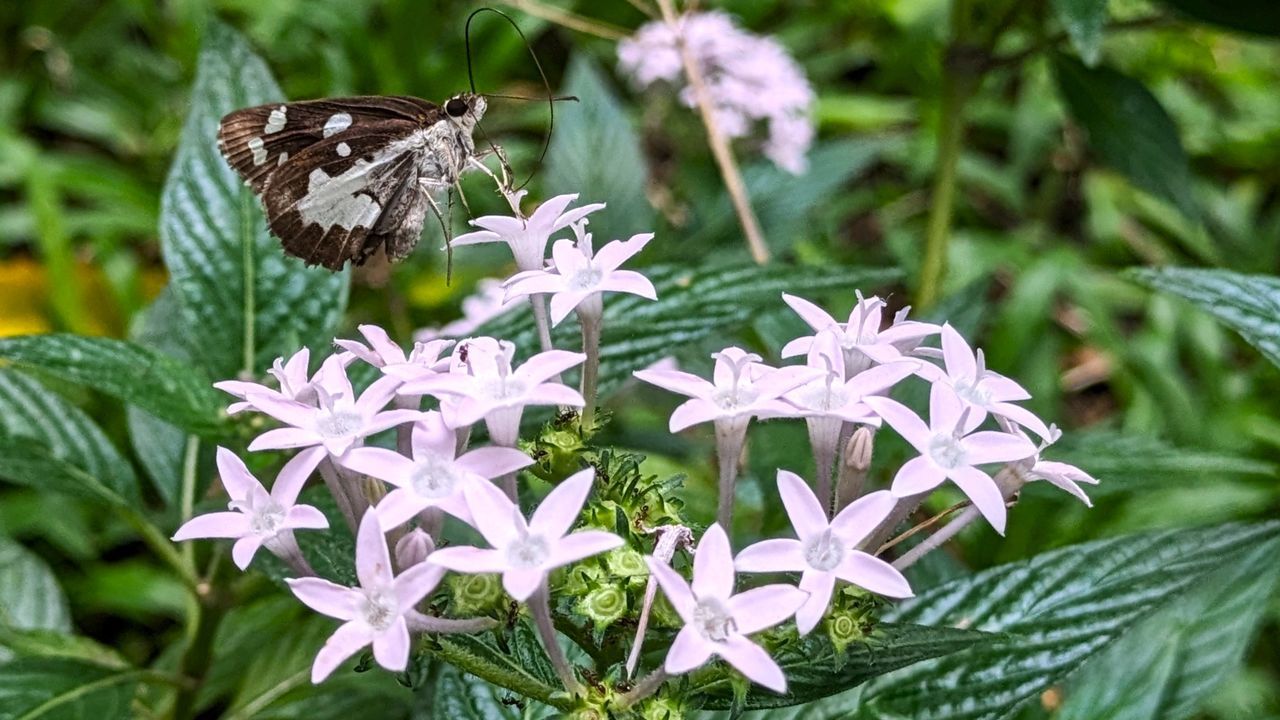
(465, 109)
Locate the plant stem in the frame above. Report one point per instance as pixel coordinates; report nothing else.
(540, 608)
(590, 369)
(950, 131)
(719, 143)
(564, 18)
(901, 511)
(944, 534)
(540, 319)
(249, 310)
(338, 487)
(404, 433)
(208, 609)
(162, 546)
(647, 686)
(187, 494)
(731, 435)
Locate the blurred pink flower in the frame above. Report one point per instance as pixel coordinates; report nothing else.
(524, 552)
(826, 551)
(717, 621)
(259, 518)
(528, 237)
(291, 378)
(435, 476)
(861, 338)
(751, 79)
(339, 422)
(486, 303)
(580, 276)
(1059, 474)
(383, 353)
(373, 613)
(951, 450)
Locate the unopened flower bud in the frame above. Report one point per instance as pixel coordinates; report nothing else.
(845, 627)
(603, 606)
(413, 549)
(474, 594)
(857, 452)
(626, 563)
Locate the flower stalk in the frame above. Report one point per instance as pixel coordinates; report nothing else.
(540, 610)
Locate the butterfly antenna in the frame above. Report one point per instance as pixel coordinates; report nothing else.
(551, 98)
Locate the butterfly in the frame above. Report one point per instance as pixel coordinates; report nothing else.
(340, 178)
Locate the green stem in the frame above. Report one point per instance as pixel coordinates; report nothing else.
(250, 287)
(160, 545)
(590, 370)
(54, 243)
(207, 611)
(950, 133)
(187, 499)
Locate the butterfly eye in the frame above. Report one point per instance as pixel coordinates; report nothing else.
(456, 107)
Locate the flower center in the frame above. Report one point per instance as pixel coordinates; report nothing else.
(379, 609)
(971, 390)
(713, 620)
(335, 422)
(946, 451)
(823, 551)
(505, 388)
(434, 477)
(586, 278)
(529, 551)
(823, 394)
(267, 520)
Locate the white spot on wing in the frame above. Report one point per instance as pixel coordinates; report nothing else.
(275, 121)
(338, 200)
(336, 124)
(259, 152)
(343, 149)
(283, 156)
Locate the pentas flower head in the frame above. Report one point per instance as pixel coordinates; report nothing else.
(951, 450)
(339, 421)
(483, 384)
(717, 621)
(373, 613)
(528, 237)
(435, 475)
(825, 551)
(291, 377)
(383, 353)
(832, 394)
(980, 389)
(581, 276)
(256, 517)
(489, 301)
(861, 338)
(1059, 474)
(742, 387)
(524, 552)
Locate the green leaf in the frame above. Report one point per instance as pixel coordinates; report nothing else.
(245, 300)
(57, 644)
(165, 387)
(1248, 304)
(815, 669)
(482, 656)
(1083, 21)
(1128, 130)
(48, 689)
(693, 304)
(42, 424)
(1058, 610)
(595, 152)
(30, 596)
(459, 696)
(1163, 668)
(1252, 16)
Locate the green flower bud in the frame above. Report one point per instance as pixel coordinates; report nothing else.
(603, 606)
(580, 579)
(661, 708)
(626, 563)
(846, 627)
(558, 453)
(475, 594)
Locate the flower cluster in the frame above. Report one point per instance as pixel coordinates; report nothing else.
(397, 490)
(751, 79)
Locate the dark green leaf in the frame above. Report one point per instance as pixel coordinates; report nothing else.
(595, 152)
(1083, 21)
(1164, 667)
(44, 424)
(1128, 130)
(1058, 609)
(482, 656)
(30, 597)
(57, 644)
(459, 696)
(1251, 16)
(1248, 304)
(815, 669)
(244, 299)
(159, 384)
(48, 689)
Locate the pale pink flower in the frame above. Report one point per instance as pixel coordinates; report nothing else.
(373, 613)
(752, 80)
(340, 421)
(717, 621)
(1059, 474)
(258, 518)
(580, 276)
(482, 384)
(825, 552)
(383, 353)
(524, 552)
(293, 382)
(950, 450)
(435, 475)
(528, 237)
(487, 303)
(980, 389)
(863, 341)
(413, 548)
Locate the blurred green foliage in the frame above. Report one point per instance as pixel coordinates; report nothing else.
(1095, 137)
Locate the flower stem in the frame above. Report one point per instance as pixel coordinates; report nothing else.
(731, 435)
(590, 369)
(718, 142)
(342, 495)
(824, 435)
(540, 608)
(945, 533)
(647, 686)
(208, 607)
(404, 433)
(428, 623)
(901, 511)
(539, 304)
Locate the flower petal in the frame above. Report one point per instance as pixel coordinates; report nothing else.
(534, 282)
(284, 438)
(777, 555)
(688, 651)
(346, 641)
(677, 381)
(379, 463)
(554, 394)
(327, 598)
(693, 412)
(492, 462)
(417, 582)
(816, 317)
(874, 574)
(958, 356)
(752, 661)
(294, 475)
(854, 523)
(373, 560)
(582, 544)
(819, 586)
(214, 525)
(903, 420)
(398, 507)
(990, 446)
(234, 474)
(522, 582)
(495, 515)
(563, 303)
(764, 607)
(545, 365)
(629, 281)
(391, 646)
(469, 560)
(983, 493)
(806, 513)
(713, 565)
(674, 587)
(945, 408)
(916, 476)
(559, 510)
(244, 549)
(305, 517)
(1023, 417)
